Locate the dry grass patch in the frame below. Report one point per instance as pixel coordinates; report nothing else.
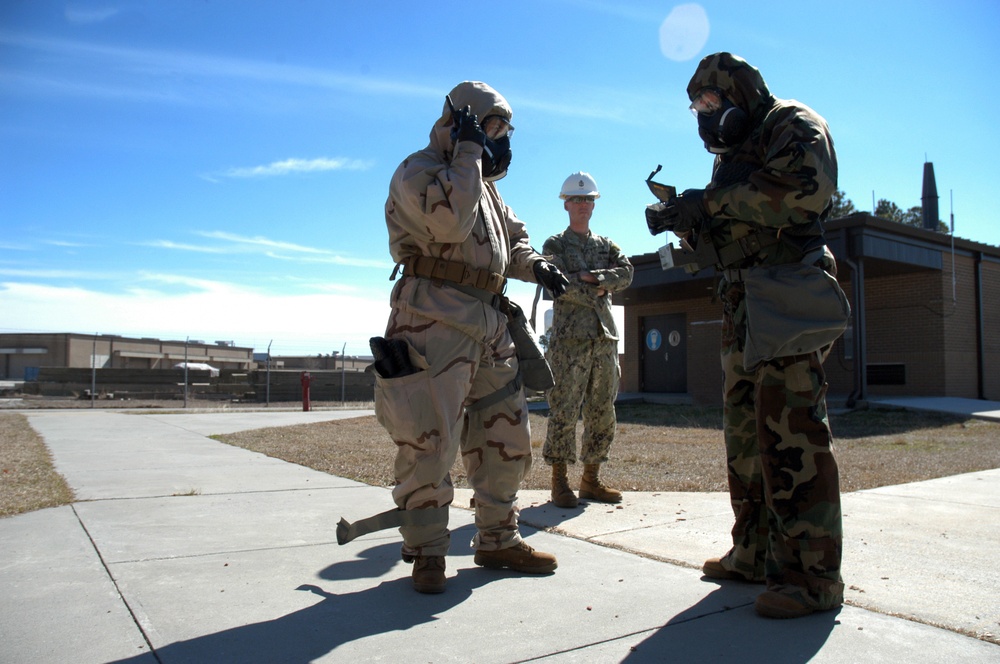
(27, 479)
(669, 448)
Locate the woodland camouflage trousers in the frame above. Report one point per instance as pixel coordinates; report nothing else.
(425, 414)
(783, 479)
(586, 372)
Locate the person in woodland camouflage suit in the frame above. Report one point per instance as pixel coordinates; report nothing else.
(459, 387)
(773, 180)
(583, 347)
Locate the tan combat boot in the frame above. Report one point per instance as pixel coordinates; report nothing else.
(591, 487)
(428, 574)
(562, 495)
(520, 558)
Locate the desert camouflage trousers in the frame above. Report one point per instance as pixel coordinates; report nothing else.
(425, 414)
(783, 479)
(586, 373)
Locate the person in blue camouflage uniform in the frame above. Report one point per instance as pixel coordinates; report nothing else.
(583, 347)
(773, 180)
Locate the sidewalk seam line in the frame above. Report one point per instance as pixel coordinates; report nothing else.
(114, 582)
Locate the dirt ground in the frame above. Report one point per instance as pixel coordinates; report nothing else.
(657, 448)
(670, 448)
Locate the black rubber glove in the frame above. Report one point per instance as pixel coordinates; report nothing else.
(467, 127)
(681, 215)
(550, 277)
(656, 218)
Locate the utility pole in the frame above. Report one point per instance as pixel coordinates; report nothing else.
(268, 392)
(93, 371)
(343, 373)
(186, 339)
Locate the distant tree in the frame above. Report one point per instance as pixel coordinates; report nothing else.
(912, 217)
(888, 210)
(842, 205)
(543, 341)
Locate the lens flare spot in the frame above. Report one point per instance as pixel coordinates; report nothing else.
(684, 32)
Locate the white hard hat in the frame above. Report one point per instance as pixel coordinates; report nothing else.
(579, 184)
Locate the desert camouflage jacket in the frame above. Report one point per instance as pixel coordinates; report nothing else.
(581, 313)
(440, 206)
(784, 175)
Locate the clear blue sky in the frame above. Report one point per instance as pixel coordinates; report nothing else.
(216, 170)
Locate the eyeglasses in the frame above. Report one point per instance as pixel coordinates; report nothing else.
(497, 126)
(706, 102)
(580, 199)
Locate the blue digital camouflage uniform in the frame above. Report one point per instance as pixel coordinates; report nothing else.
(783, 476)
(583, 347)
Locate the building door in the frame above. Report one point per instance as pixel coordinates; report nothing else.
(664, 353)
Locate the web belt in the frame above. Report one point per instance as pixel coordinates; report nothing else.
(750, 245)
(454, 272)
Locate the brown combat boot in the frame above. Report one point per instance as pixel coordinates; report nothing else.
(520, 558)
(562, 495)
(715, 569)
(591, 487)
(428, 574)
(773, 604)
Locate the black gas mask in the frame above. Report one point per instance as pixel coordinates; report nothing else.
(496, 149)
(496, 158)
(493, 134)
(722, 124)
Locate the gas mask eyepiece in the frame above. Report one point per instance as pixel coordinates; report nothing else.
(496, 150)
(721, 124)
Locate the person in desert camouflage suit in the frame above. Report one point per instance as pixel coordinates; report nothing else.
(583, 347)
(457, 243)
(773, 180)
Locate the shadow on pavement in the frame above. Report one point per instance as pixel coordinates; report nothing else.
(335, 619)
(702, 633)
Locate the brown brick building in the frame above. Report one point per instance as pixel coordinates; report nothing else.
(925, 321)
(21, 355)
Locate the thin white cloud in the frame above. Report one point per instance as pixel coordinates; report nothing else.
(168, 244)
(52, 274)
(115, 91)
(64, 243)
(11, 246)
(204, 285)
(275, 249)
(335, 260)
(260, 241)
(150, 63)
(207, 73)
(88, 15)
(294, 166)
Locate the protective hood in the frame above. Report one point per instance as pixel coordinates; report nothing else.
(484, 101)
(739, 81)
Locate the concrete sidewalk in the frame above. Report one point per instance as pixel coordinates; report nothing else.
(984, 410)
(183, 549)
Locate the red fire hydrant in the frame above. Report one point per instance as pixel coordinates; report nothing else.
(305, 379)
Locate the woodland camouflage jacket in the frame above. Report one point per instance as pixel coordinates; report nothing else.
(581, 313)
(784, 175)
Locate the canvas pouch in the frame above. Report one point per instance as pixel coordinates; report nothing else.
(536, 374)
(792, 309)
